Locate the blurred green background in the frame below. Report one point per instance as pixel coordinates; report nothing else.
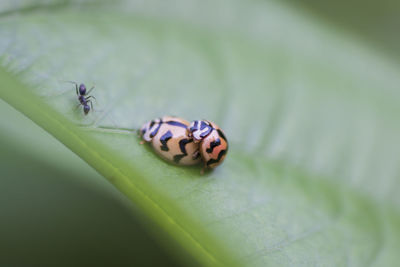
(55, 210)
(339, 112)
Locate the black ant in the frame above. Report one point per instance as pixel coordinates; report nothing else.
(84, 97)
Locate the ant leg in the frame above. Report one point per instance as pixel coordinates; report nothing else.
(88, 92)
(87, 98)
(91, 105)
(78, 106)
(76, 86)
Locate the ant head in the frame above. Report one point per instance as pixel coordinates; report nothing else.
(82, 89)
(86, 109)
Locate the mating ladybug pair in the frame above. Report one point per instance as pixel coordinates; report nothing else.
(184, 143)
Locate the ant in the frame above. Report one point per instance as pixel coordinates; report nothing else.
(84, 97)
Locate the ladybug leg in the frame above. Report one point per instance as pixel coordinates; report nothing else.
(196, 154)
(204, 169)
(142, 142)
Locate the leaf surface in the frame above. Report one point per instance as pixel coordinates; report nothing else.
(311, 177)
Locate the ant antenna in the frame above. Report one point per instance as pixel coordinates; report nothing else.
(70, 82)
(88, 92)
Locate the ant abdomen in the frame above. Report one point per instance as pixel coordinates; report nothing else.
(86, 109)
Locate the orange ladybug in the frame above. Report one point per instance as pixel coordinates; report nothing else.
(212, 141)
(169, 139)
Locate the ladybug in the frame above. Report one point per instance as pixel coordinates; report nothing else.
(213, 144)
(168, 137)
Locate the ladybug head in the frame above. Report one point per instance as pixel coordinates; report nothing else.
(149, 129)
(199, 130)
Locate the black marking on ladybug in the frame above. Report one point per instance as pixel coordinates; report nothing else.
(203, 125)
(182, 146)
(164, 139)
(207, 132)
(213, 145)
(195, 126)
(220, 155)
(222, 135)
(152, 134)
(176, 123)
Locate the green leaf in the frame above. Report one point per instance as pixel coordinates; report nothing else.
(311, 114)
(52, 201)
